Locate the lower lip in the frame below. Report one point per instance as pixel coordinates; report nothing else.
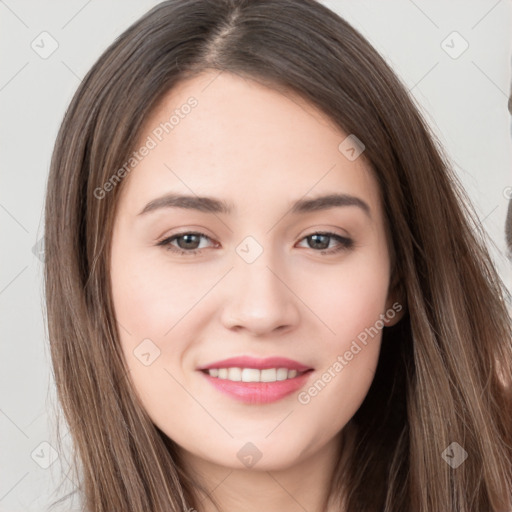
(258, 392)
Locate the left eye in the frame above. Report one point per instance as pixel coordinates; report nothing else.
(189, 243)
(319, 240)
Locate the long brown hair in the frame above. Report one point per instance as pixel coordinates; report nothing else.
(444, 370)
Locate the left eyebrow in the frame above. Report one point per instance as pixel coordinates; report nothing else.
(329, 201)
(213, 205)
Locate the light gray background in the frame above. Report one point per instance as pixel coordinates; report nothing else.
(464, 98)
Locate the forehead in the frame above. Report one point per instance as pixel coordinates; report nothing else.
(244, 140)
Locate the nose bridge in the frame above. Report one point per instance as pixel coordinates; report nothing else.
(258, 282)
(259, 299)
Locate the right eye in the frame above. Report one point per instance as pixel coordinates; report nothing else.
(187, 243)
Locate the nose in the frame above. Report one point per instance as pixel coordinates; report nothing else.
(259, 299)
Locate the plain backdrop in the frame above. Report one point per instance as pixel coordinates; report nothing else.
(454, 57)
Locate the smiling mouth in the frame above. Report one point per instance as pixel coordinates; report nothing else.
(236, 374)
(255, 380)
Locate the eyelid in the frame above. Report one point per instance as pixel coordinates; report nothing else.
(188, 230)
(324, 228)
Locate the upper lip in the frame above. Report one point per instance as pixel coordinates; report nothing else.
(260, 364)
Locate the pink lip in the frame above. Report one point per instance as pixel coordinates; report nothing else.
(259, 364)
(258, 392)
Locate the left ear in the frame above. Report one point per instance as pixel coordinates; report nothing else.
(396, 302)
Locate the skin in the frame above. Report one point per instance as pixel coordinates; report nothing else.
(260, 150)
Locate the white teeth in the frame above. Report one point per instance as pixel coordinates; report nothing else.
(282, 374)
(253, 374)
(250, 375)
(235, 374)
(268, 375)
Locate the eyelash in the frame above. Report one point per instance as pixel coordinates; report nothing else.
(344, 243)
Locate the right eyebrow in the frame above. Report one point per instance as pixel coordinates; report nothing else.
(203, 204)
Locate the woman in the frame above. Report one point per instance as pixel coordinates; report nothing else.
(336, 340)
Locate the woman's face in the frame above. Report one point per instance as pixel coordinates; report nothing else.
(242, 274)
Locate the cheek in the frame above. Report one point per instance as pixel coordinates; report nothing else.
(346, 360)
(149, 297)
(151, 305)
(347, 298)
(350, 300)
